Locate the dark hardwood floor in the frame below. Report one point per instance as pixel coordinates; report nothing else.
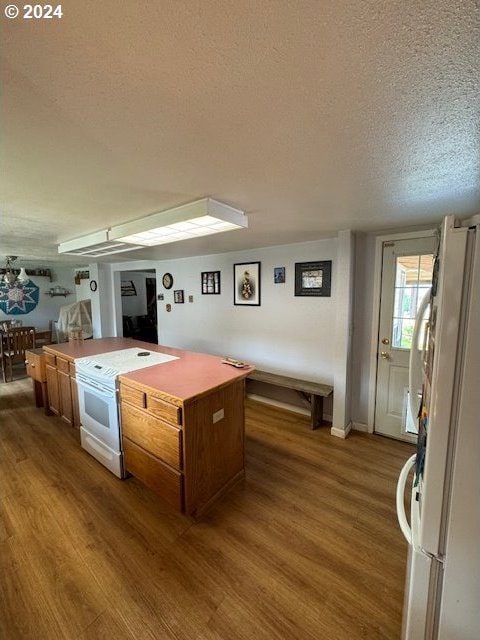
(307, 548)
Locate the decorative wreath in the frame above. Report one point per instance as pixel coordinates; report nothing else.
(19, 298)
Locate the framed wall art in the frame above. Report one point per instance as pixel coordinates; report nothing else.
(210, 282)
(18, 299)
(178, 296)
(246, 284)
(313, 278)
(128, 288)
(279, 275)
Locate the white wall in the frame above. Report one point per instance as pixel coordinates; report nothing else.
(290, 335)
(286, 334)
(103, 300)
(343, 336)
(48, 307)
(305, 337)
(82, 290)
(362, 327)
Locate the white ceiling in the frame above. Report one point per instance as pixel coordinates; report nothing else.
(311, 116)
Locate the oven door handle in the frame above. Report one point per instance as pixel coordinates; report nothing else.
(91, 386)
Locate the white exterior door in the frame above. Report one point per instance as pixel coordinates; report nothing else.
(407, 268)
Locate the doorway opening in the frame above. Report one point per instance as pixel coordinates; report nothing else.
(139, 305)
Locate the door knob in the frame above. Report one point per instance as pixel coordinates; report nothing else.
(385, 355)
(385, 341)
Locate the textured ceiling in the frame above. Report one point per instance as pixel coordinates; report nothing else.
(311, 116)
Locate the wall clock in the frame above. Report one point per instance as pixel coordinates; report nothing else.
(167, 280)
(93, 285)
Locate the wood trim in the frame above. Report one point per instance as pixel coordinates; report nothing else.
(360, 426)
(341, 433)
(316, 388)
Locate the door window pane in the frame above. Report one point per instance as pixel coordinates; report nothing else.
(413, 278)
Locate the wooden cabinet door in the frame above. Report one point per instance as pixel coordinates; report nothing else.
(53, 390)
(66, 411)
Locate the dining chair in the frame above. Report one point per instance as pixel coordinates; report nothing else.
(14, 343)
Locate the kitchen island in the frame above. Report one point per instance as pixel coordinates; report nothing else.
(182, 421)
(61, 374)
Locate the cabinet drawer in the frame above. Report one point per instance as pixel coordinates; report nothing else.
(154, 474)
(35, 366)
(62, 365)
(152, 434)
(164, 410)
(72, 369)
(50, 359)
(134, 396)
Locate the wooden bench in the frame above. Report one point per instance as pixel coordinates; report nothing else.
(316, 391)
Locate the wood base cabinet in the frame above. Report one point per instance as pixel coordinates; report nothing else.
(189, 452)
(35, 362)
(62, 389)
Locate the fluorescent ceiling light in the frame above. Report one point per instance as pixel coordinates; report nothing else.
(95, 245)
(192, 220)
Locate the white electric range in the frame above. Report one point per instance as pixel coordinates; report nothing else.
(97, 396)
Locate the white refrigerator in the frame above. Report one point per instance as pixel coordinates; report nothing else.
(442, 589)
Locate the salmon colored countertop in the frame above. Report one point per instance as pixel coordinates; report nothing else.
(83, 348)
(189, 377)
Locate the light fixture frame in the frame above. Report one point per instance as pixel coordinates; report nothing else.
(115, 239)
(181, 214)
(95, 245)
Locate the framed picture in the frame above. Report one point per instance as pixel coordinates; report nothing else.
(313, 278)
(279, 275)
(211, 282)
(246, 284)
(178, 296)
(128, 288)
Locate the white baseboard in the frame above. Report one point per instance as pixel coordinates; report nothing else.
(360, 426)
(341, 433)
